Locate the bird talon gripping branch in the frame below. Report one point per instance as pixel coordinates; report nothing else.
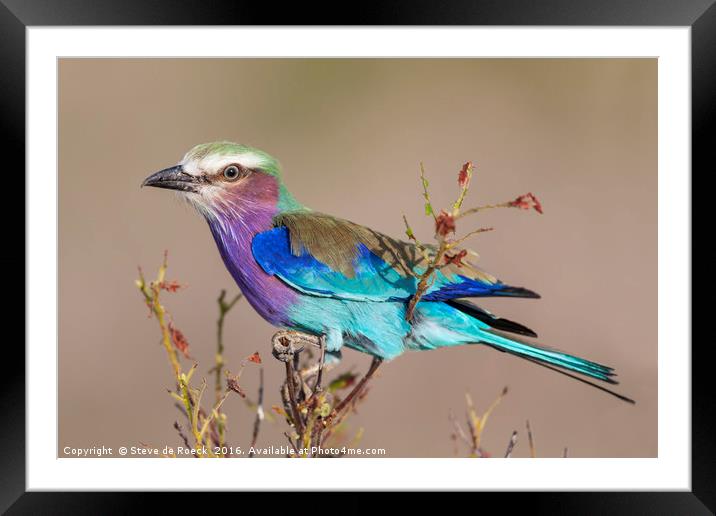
(284, 348)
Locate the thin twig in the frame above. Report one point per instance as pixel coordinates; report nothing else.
(321, 361)
(151, 297)
(458, 429)
(426, 194)
(454, 243)
(511, 445)
(375, 363)
(259, 412)
(473, 422)
(183, 436)
(477, 209)
(424, 282)
(290, 441)
(411, 235)
(224, 308)
(533, 452)
(214, 413)
(295, 411)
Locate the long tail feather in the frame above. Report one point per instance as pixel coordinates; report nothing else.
(556, 361)
(556, 358)
(583, 380)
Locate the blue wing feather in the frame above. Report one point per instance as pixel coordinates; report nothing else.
(374, 279)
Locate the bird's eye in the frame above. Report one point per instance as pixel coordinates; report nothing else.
(232, 173)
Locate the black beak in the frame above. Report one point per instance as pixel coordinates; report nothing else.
(173, 178)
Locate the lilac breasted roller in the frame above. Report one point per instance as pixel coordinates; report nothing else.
(315, 273)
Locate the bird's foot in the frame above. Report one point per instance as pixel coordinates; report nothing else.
(288, 343)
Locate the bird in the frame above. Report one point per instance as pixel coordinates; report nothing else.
(306, 271)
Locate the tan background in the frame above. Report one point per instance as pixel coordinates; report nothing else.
(581, 134)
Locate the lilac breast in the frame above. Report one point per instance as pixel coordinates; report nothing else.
(267, 294)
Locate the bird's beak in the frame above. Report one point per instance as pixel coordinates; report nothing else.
(173, 178)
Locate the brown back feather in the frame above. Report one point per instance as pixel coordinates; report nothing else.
(334, 241)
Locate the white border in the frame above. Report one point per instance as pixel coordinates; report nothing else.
(670, 471)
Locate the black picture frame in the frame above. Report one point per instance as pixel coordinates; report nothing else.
(16, 15)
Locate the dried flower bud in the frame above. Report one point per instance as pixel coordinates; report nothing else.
(527, 201)
(455, 259)
(179, 340)
(444, 223)
(233, 385)
(170, 286)
(255, 358)
(463, 177)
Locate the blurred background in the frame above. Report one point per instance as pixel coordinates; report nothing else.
(579, 133)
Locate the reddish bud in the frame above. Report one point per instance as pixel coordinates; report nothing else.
(170, 286)
(463, 177)
(526, 202)
(444, 223)
(455, 259)
(179, 340)
(255, 358)
(233, 385)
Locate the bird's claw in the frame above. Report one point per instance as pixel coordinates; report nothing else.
(286, 344)
(285, 351)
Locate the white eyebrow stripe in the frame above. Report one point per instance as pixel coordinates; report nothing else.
(215, 163)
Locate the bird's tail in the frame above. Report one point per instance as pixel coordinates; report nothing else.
(555, 360)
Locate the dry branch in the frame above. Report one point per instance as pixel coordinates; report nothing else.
(313, 413)
(205, 427)
(447, 249)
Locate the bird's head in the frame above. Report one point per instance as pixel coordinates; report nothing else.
(224, 179)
